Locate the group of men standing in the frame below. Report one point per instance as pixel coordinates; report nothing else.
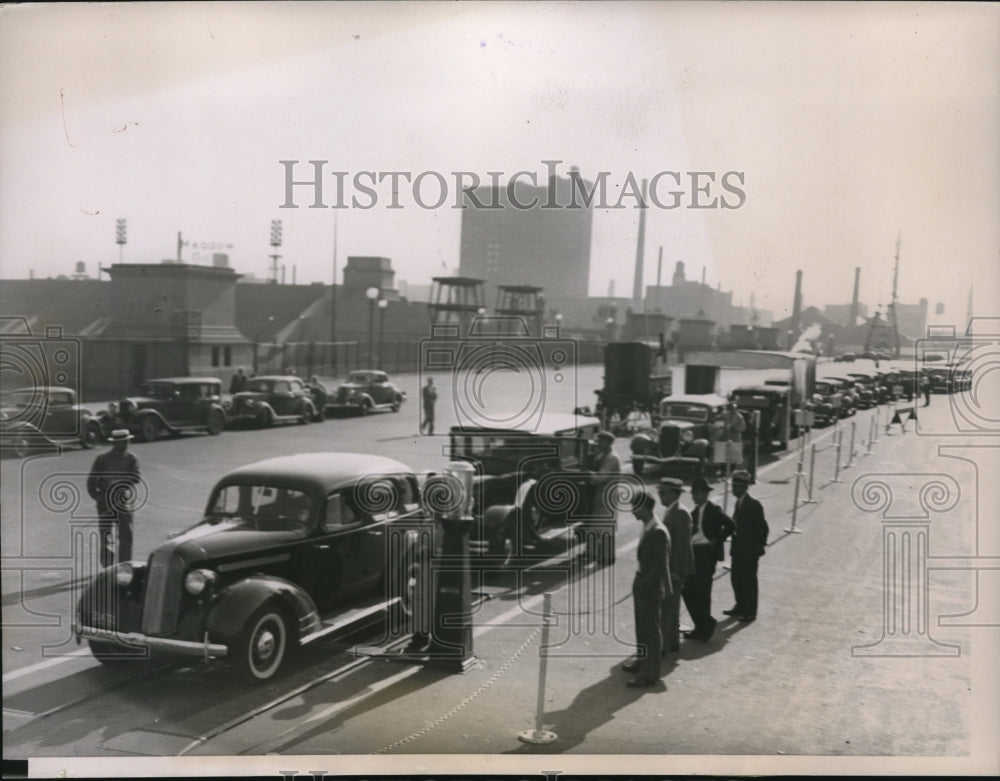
(678, 553)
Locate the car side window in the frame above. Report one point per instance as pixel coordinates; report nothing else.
(339, 514)
(281, 387)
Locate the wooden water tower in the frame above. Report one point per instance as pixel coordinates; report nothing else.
(522, 301)
(456, 301)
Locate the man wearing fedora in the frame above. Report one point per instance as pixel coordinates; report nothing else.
(678, 523)
(649, 587)
(710, 526)
(749, 540)
(111, 484)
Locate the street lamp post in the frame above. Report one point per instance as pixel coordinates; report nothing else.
(372, 293)
(382, 304)
(559, 319)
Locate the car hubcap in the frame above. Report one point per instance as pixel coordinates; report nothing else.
(265, 646)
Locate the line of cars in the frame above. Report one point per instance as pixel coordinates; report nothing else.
(38, 418)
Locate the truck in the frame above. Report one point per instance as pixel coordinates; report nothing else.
(636, 378)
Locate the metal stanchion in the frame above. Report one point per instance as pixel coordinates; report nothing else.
(795, 501)
(850, 449)
(836, 461)
(539, 735)
(878, 418)
(812, 471)
(871, 434)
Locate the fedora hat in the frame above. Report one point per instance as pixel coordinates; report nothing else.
(741, 476)
(700, 484)
(120, 435)
(606, 435)
(671, 483)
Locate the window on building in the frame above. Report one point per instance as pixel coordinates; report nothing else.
(215, 356)
(227, 356)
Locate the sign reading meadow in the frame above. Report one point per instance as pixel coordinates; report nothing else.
(330, 189)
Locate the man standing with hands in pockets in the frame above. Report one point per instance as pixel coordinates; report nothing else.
(678, 523)
(709, 528)
(749, 540)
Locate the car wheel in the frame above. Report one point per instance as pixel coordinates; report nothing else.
(366, 407)
(149, 429)
(306, 414)
(264, 419)
(503, 546)
(262, 645)
(533, 518)
(396, 404)
(20, 445)
(410, 613)
(112, 654)
(91, 436)
(216, 422)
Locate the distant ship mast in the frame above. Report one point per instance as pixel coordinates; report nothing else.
(885, 334)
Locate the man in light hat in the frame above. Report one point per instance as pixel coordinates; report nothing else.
(605, 468)
(678, 522)
(710, 526)
(749, 541)
(111, 484)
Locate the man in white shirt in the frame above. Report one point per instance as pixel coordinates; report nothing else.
(678, 522)
(710, 526)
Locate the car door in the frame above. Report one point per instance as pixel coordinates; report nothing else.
(281, 397)
(60, 415)
(329, 572)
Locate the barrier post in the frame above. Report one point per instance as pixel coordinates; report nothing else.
(812, 471)
(850, 449)
(795, 501)
(836, 460)
(539, 735)
(871, 434)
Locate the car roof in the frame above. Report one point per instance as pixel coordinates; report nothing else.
(182, 380)
(550, 424)
(43, 389)
(761, 389)
(316, 471)
(275, 377)
(713, 399)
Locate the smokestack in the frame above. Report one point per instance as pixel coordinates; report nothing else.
(640, 250)
(797, 304)
(852, 318)
(659, 267)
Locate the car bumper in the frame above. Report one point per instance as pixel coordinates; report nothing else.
(182, 647)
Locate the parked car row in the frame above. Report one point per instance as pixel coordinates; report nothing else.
(37, 418)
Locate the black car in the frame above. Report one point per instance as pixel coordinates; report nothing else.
(366, 391)
(286, 552)
(267, 400)
(516, 469)
(771, 401)
(681, 445)
(176, 405)
(45, 417)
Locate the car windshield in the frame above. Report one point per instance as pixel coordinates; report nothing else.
(260, 386)
(263, 507)
(510, 450)
(754, 400)
(360, 378)
(158, 390)
(684, 411)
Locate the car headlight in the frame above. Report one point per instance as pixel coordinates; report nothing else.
(124, 574)
(198, 580)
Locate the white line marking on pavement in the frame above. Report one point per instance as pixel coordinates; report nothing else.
(15, 674)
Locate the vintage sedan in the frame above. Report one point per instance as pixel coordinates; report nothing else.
(776, 419)
(682, 443)
(45, 417)
(516, 468)
(286, 553)
(175, 405)
(267, 400)
(366, 391)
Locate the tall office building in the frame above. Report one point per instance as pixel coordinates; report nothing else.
(546, 244)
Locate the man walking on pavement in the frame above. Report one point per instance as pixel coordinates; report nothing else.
(649, 587)
(111, 485)
(677, 520)
(429, 394)
(749, 540)
(710, 526)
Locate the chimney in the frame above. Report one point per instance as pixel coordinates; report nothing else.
(640, 250)
(852, 318)
(797, 304)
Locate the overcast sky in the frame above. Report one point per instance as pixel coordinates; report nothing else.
(849, 123)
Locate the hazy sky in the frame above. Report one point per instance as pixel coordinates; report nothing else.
(850, 124)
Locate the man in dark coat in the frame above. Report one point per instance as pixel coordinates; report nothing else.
(677, 520)
(710, 526)
(111, 485)
(649, 588)
(749, 541)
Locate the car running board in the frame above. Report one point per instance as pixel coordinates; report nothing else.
(344, 620)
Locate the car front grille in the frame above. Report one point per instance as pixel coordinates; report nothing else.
(163, 592)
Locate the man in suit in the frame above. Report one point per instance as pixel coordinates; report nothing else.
(111, 484)
(650, 586)
(710, 526)
(605, 468)
(749, 541)
(678, 523)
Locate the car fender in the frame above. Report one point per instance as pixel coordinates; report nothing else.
(235, 603)
(498, 516)
(103, 594)
(362, 398)
(641, 445)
